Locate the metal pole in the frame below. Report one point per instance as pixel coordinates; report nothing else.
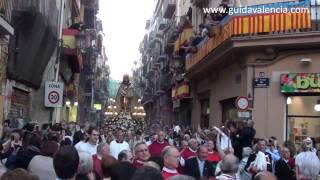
(59, 46)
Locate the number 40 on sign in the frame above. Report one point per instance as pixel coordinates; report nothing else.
(53, 95)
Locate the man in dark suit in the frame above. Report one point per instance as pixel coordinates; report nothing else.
(199, 167)
(282, 167)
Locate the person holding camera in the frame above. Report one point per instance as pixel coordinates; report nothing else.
(12, 145)
(273, 149)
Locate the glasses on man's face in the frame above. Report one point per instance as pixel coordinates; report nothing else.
(95, 134)
(142, 150)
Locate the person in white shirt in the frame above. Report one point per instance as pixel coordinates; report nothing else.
(90, 146)
(118, 145)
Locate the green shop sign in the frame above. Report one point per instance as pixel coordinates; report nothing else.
(300, 83)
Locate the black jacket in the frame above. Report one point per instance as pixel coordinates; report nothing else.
(246, 136)
(191, 168)
(77, 137)
(283, 170)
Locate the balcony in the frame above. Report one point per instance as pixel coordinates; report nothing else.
(258, 30)
(169, 7)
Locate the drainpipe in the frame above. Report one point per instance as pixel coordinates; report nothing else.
(57, 111)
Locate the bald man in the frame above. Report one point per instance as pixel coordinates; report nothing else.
(265, 175)
(158, 145)
(229, 167)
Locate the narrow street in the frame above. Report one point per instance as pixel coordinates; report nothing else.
(160, 90)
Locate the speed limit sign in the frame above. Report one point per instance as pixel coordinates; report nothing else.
(53, 94)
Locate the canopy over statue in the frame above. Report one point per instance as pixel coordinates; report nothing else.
(125, 94)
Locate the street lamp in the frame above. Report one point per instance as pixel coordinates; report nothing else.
(317, 106)
(289, 100)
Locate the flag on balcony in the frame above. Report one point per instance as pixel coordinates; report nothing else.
(181, 91)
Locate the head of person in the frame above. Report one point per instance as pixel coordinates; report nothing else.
(106, 164)
(152, 164)
(182, 177)
(232, 126)
(193, 144)
(161, 136)
(264, 175)
(186, 137)
(285, 153)
(184, 144)
(120, 136)
(85, 164)
(229, 164)
(93, 134)
(66, 162)
(122, 171)
(18, 174)
(246, 151)
(202, 153)
(262, 145)
(49, 148)
(250, 123)
(35, 140)
(141, 152)
(229, 150)
(307, 165)
(125, 156)
(272, 141)
(103, 149)
(291, 146)
(16, 135)
(156, 159)
(210, 145)
(307, 144)
(154, 137)
(147, 173)
(171, 157)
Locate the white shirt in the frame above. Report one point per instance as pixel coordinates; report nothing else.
(42, 166)
(88, 148)
(116, 148)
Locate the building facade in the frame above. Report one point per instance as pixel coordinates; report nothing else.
(270, 59)
(46, 44)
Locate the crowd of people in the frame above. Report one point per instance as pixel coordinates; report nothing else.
(80, 152)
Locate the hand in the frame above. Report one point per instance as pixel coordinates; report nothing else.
(91, 176)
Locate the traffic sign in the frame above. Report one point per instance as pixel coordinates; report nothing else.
(53, 94)
(242, 103)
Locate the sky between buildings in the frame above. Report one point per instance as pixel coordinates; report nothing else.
(124, 28)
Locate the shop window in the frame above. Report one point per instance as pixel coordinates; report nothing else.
(303, 120)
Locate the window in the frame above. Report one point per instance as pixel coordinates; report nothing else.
(315, 10)
(303, 121)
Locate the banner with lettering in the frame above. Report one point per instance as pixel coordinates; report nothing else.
(300, 83)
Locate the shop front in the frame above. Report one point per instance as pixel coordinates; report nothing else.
(302, 91)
